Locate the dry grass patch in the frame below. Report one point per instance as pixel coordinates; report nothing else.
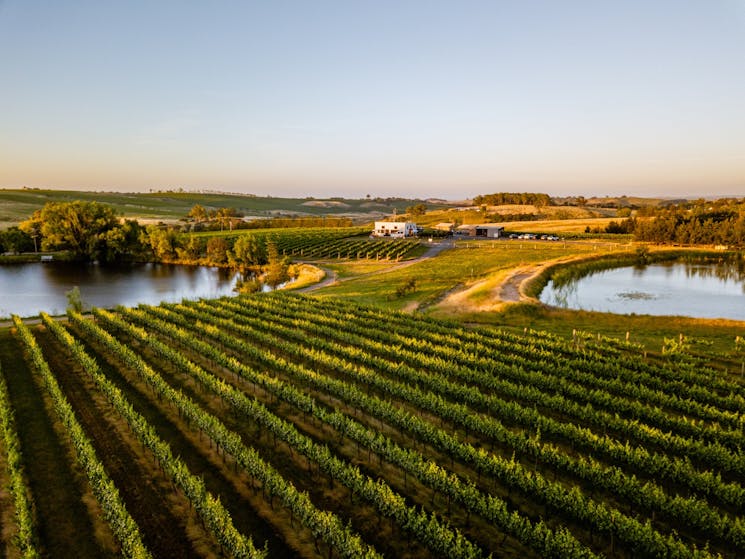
(559, 225)
(305, 275)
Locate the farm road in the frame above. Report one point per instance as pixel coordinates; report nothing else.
(509, 291)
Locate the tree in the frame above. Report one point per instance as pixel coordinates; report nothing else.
(217, 250)
(248, 254)
(32, 228)
(198, 213)
(277, 271)
(123, 242)
(621, 227)
(192, 249)
(74, 300)
(225, 216)
(78, 226)
(163, 242)
(15, 240)
(418, 209)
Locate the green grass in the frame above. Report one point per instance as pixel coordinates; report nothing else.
(712, 340)
(355, 268)
(464, 265)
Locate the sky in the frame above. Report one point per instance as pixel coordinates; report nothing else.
(412, 98)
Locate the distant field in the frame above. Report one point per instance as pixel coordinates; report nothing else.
(558, 225)
(17, 205)
(495, 214)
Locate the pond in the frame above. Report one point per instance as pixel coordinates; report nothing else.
(701, 290)
(27, 289)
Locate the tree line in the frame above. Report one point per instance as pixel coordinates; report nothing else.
(91, 231)
(513, 198)
(721, 222)
(718, 223)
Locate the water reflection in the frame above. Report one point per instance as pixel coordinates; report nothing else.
(28, 289)
(706, 290)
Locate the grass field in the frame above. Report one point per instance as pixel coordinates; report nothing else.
(558, 226)
(468, 263)
(421, 438)
(17, 205)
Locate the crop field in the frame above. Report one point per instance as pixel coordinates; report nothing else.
(281, 425)
(329, 243)
(378, 249)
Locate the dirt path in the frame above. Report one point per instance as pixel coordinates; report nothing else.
(500, 292)
(509, 291)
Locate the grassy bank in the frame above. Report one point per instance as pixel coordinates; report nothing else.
(29, 257)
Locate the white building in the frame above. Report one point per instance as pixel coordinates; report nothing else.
(395, 229)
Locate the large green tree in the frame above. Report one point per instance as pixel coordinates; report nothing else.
(80, 227)
(123, 242)
(217, 250)
(15, 240)
(163, 242)
(248, 254)
(198, 213)
(277, 268)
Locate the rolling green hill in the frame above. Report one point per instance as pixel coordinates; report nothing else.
(16, 205)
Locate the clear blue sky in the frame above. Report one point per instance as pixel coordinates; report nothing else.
(347, 98)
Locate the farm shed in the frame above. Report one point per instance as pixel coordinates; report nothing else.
(484, 231)
(395, 229)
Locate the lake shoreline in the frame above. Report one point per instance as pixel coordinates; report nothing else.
(697, 288)
(30, 288)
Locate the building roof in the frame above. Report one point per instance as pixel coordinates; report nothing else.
(381, 223)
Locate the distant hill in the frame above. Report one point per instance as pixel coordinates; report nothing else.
(611, 201)
(18, 204)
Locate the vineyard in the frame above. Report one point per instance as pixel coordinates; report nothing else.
(349, 243)
(279, 425)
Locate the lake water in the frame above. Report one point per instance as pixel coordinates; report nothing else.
(685, 289)
(27, 289)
